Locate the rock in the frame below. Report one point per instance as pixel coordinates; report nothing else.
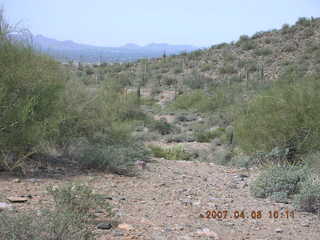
(104, 226)
(243, 176)
(5, 206)
(17, 180)
(305, 224)
(197, 203)
(216, 142)
(118, 234)
(141, 164)
(17, 199)
(244, 185)
(186, 202)
(279, 230)
(34, 180)
(99, 211)
(124, 226)
(207, 233)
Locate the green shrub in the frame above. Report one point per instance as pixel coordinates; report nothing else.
(205, 67)
(69, 220)
(178, 138)
(242, 161)
(77, 198)
(248, 45)
(227, 69)
(263, 51)
(308, 199)
(304, 22)
(161, 126)
(223, 157)
(177, 70)
(190, 100)
(277, 180)
(203, 135)
(30, 87)
(196, 81)
(116, 158)
(50, 225)
(285, 116)
(171, 153)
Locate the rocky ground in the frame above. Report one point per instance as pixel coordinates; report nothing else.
(170, 200)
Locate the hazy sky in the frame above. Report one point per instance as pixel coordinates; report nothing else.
(117, 22)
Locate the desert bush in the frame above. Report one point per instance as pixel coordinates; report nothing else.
(304, 22)
(204, 135)
(289, 47)
(227, 69)
(116, 158)
(177, 70)
(263, 51)
(277, 180)
(190, 100)
(307, 33)
(50, 225)
(205, 67)
(68, 220)
(258, 35)
(30, 86)
(178, 138)
(161, 126)
(223, 157)
(243, 38)
(228, 56)
(308, 199)
(77, 198)
(248, 45)
(220, 46)
(196, 81)
(284, 116)
(170, 153)
(286, 29)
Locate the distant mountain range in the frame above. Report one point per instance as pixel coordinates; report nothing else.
(71, 51)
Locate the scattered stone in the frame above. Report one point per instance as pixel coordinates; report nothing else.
(197, 203)
(118, 234)
(186, 202)
(99, 211)
(141, 164)
(34, 180)
(243, 176)
(107, 198)
(5, 206)
(245, 185)
(305, 224)
(279, 230)
(17, 180)
(17, 199)
(125, 226)
(207, 233)
(26, 196)
(104, 226)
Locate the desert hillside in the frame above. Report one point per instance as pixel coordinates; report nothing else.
(220, 143)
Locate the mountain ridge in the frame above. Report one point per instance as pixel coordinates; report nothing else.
(69, 50)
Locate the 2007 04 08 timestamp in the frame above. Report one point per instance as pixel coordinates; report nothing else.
(254, 214)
